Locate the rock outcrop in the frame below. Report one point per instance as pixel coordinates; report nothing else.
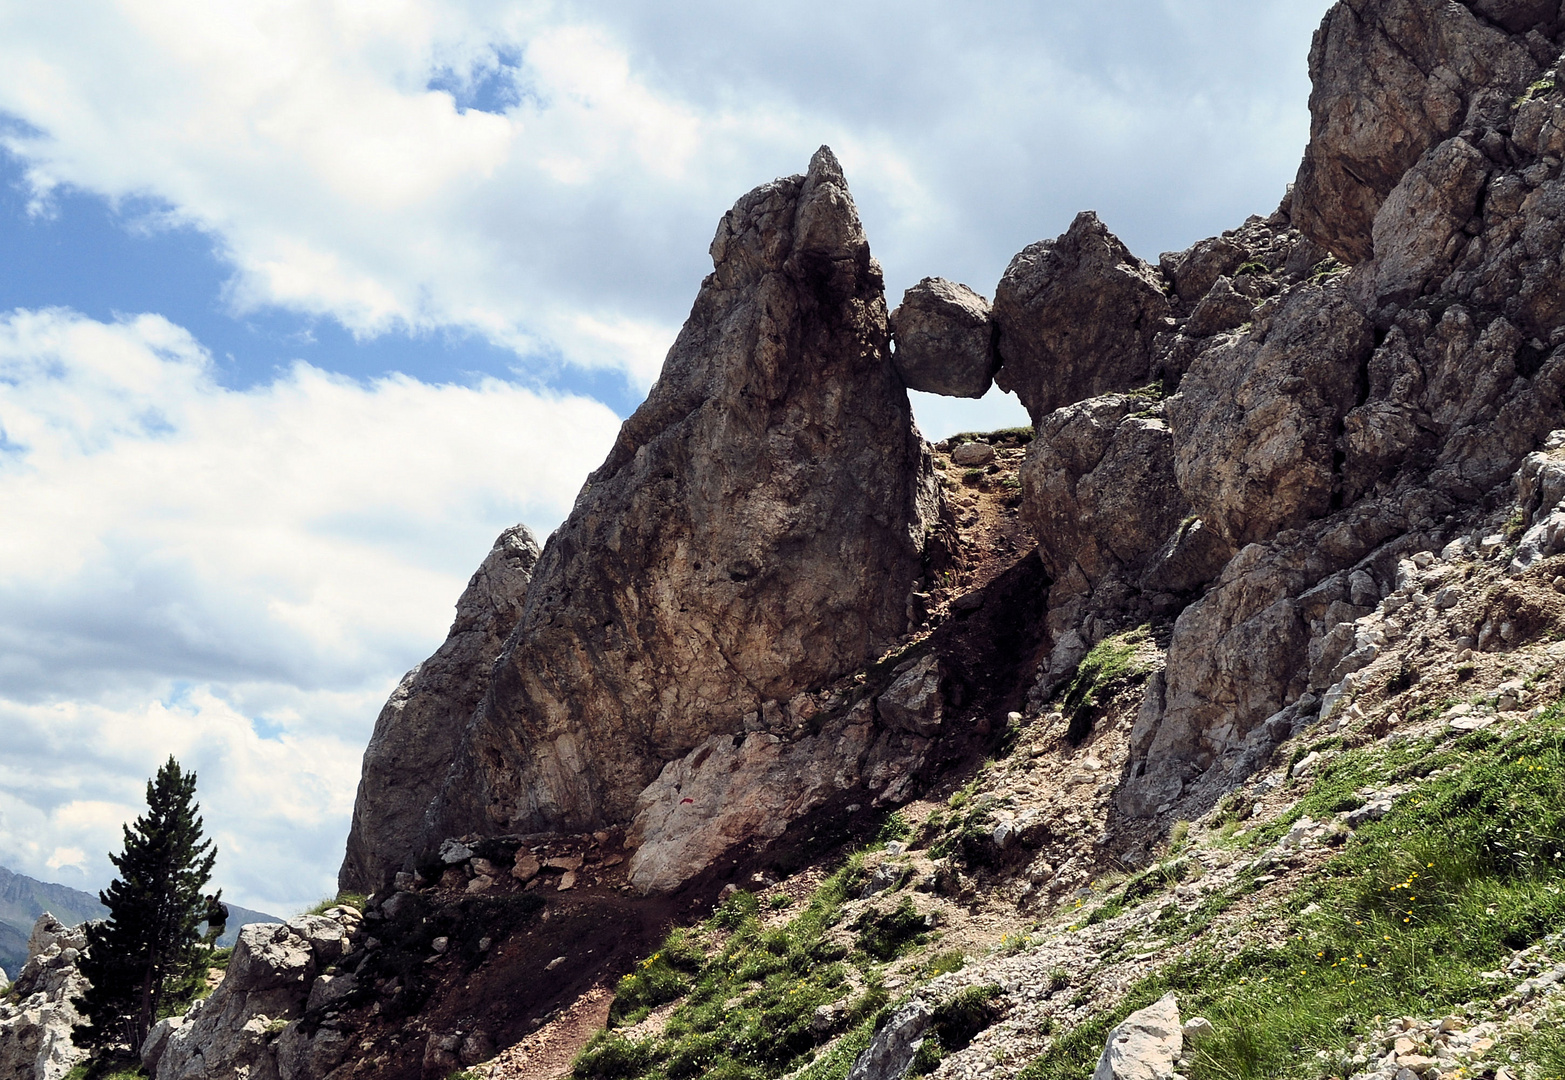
(1392, 78)
(36, 1023)
(417, 733)
(944, 340)
(1363, 414)
(756, 531)
(252, 1026)
(1076, 318)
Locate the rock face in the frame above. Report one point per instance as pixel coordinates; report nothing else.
(1360, 413)
(944, 340)
(755, 531)
(1076, 318)
(416, 734)
(36, 1025)
(1256, 419)
(1145, 1045)
(250, 1029)
(1392, 78)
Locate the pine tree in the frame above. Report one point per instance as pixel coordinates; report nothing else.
(149, 952)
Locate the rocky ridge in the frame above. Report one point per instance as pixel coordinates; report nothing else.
(1261, 469)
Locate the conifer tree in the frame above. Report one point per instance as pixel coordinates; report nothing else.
(145, 954)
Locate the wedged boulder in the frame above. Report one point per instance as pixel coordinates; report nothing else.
(1076, 318)
(1255, 422)
(417, 732)
(944, 340)
(756, 531)
(37, 1021)
(1391, 79)
(1145, 1045)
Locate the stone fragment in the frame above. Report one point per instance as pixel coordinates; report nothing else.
(1076, 318)
(754, 532)
(527, 866)
(1220, 309)
(1144, 1045)
(912, 701)
(944, 340)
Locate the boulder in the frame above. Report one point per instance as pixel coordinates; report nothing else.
(912, 701)
(1076, 318)
(1145, 1045)
(1540, 490)
(1255, 422)
(891, 1052)
(1098, 486)
(39, 1014)
(973, 454)
(734, 788)
(1391, 79)
(1195, 270)
(1220, 309)
(416, 734)
(755, 532)
(233, 1034)
(944, 340)
(1422, 216)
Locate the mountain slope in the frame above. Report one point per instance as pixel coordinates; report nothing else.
(23, 899)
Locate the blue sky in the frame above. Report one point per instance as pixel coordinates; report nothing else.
(303, 301)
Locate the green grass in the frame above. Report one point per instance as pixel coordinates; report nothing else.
(747, 994)
(1462, 872)
(1112, 664)
(349, 899)
(954, 1025)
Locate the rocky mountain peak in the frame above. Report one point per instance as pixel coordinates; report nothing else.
(755, 532)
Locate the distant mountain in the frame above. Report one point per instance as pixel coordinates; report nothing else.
(23, 899)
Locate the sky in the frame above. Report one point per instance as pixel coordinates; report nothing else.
(303, 301)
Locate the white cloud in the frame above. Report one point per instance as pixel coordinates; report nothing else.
(235, 577)
(304, 137)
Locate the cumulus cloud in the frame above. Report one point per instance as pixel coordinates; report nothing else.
(548, 174)
(236, 577)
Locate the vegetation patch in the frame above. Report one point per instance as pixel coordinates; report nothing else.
(1114, 663)
(1461, 872)
(748, 994)
(955, 1024)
